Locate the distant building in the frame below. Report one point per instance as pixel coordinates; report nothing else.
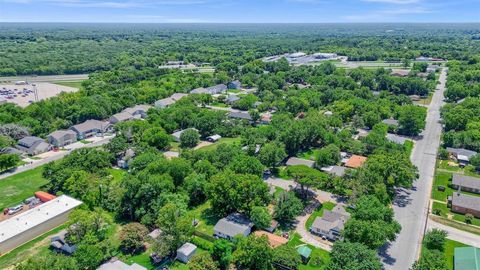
(176, 135)
(231, 99)
(26, 226)
(461, 155)
(293, 161)
(331, 224)
(400, 73)
(178, 96)
(186, 252)
(33, 145)
(216, 89)
(466, 183)
(467, 258)
(391, 122)
(200, 90)
(120, 117)
(138, 110)
(214, 138)
(465, 204)
(335, 170)
(273, 239)
(396, 138)
(116, 264)
(355, 161)
(234, 85)
(91, 128)
(61, 138)
(60, 245)
(164, 103)
(432, 68)
(233, 225)
(244, 115)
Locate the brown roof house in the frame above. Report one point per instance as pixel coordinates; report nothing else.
(331, 224)
(465, 204)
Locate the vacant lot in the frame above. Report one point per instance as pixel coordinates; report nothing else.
(16, 188)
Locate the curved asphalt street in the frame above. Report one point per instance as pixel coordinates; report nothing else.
(411, 206)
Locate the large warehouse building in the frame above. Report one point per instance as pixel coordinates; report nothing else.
(26, 226)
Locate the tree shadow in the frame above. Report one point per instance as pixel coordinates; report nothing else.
(383, 253)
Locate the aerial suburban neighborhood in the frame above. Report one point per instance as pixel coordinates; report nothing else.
(144, 139)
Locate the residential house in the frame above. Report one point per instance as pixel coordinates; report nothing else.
(200, 90)
(91, 128)
(391, 122)
(331, 223)
(216, 89)
(396, 138)
(273, 239)
(164, 103)
(294, 161)
(120, 117)
(61, 138)
(234, 85)
(116, 264)
(432, 68)
(33, 145)
(400, 73)
(138, 110)
(461, 155)
(244, 115)
(355, 161)
(59, 245)
(467, 258)
(186, 252)
(338, 171)
(176, 135)
(465, 204)
(178, 96)
(231, 99)
(466, 183)
(233, 225)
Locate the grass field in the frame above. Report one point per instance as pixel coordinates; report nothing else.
(222, 140)
(318, 213)
(76, 84)
(450, 246)
(16, 188)
(441, 179)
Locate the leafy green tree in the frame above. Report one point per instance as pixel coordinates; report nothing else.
(96, 224)
(222, 252)
(48, 261)
(435, 239)
(287, 207)
(88, 256)
(202, 261)
(260, 217)
(8, 161)
(328, 155)
(411, 119)
(156, 137)
(244, 164)
(132, 236)
(431, 260)
(189, 138)
(306, 177)
(353, 256)
(271, 154)
(253, 253)
(475, 161)
(176, 228)
(286, 256)
(229, 192)
(195, 185)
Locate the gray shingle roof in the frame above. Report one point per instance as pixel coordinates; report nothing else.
(122, 116)
(60, 133)
(461, 151)
(138, 108)
(335, 170)
(217, 89)
(332, 220)
(233, 225)
(164, 102)
(293, 161)
(29, 141)
(466, 181)
(240, 115)
(466, 201)
(91, 125)
(178, 96)
(396, 139)
(390, 122)
(187, 249)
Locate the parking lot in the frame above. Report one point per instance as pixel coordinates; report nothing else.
(24, 94)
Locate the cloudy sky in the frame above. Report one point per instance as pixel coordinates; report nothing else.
(239, 11)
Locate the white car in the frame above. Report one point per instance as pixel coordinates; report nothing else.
(15, 209)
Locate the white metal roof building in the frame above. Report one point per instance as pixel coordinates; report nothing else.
(34, 222)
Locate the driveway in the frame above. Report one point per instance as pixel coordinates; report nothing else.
(52, 156)
(411, 205)
(456, 234)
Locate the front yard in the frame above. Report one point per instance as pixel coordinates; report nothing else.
(16, 188)
(318, 259)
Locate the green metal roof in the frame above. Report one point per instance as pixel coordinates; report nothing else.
(467, 258)
(304, 251)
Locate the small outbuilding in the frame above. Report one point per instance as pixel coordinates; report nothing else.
(355, 161)
(186, 252)
(214, 138)
(294, 161)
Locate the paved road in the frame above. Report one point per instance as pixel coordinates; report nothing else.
(57, 156)
(411, 206)
(49, 78)
(456, 234)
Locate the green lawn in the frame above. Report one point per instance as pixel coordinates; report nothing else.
(310, 154)
(18, 187)
(443, 164)
(117, 174)
(222, 140)
(175, 146)
(318, 213)
(409, 147)
(219, 104)
(282, 173)
(75, 84)
(445, 211)
(450, 246)
(316, 252)
(442, 179)
(206, 220)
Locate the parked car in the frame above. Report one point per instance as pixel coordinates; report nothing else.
(15, 209)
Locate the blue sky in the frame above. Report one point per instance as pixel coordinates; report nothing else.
(239, 11)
